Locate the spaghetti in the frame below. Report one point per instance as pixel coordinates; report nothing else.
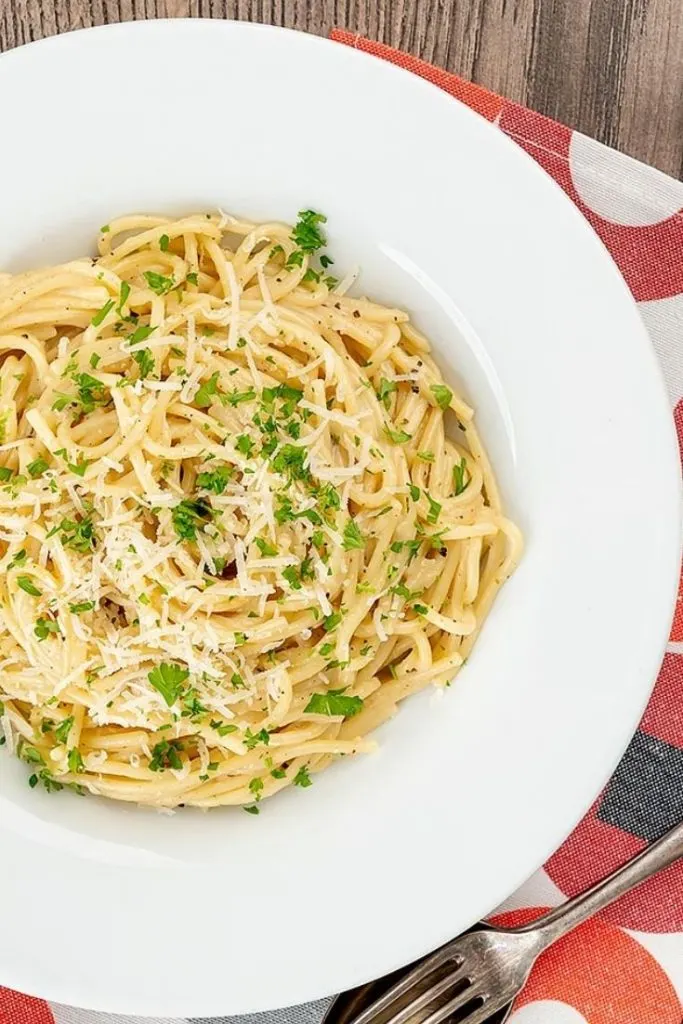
(234, 531)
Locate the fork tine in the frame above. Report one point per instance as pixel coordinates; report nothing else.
(467, 995)
(418, 974)
(427, 997)
(481, 1014)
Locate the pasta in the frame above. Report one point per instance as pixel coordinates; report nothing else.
(241, 514)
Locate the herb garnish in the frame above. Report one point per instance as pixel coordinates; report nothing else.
(188, 515)
(28, 586)
(397, 436)
(302, 778)
(353, 538)
(168, 680)
(442, 394)
(145, 360)
(334, 702)
(216, 480)
(306, 233)
(459, 481)
(158, 283)
(37, 468)
(165, 755)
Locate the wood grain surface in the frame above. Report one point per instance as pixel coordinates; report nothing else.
(611, 68)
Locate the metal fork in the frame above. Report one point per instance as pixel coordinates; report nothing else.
(481, 972)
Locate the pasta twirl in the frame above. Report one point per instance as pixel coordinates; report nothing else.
(241, 514)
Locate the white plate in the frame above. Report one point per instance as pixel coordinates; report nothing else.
(387, 856)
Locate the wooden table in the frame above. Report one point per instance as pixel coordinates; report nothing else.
(612, 68)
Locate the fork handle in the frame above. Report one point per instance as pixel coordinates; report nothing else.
(553, 925)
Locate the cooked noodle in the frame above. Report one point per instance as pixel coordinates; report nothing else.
(234, 532)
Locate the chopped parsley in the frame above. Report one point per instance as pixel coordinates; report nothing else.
(51, 785)
(402, 591)
(256, 788)
(292, 577)
(353, 538)
(289, 395)
(192, 278)
(284, 513)
(386, 388)
(164, 243)
(266, 549)
(331, 622)
(216, 480)
(252, 809)
(412, 546)
(192, 706)
(44, 627)
(245, 445)
(397, 436)
(141, 333)
(81, 606)
(158, 283)
(328, 499)
(145, 360)
(31, 754)
(79, 467)
(334, 702)
(102, 313)
(75, 761)
(442, 394)
(206, 392)
(306, 233)
(165, 755)
(426, 456)
(168, 680)
(434, 509)
(291, 462)
(237, 397)
(251, 739)
(295, 259)
(78, 534)
(459, 481)
(28, 586)
(61, 401)
(223, 728)
(302, 778)
(63, 729)
(91, 391)
(18, 560)
(188, 515)
(123, 296)
(37, 468)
